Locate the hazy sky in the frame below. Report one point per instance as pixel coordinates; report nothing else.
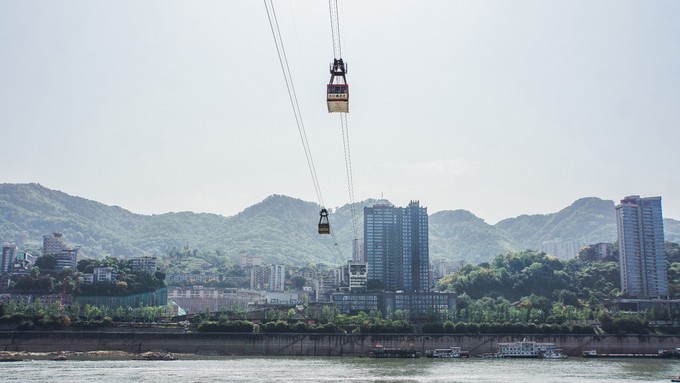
(498, 107)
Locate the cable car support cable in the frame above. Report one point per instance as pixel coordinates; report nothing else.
(292, 95)
(335, 28)
(348, 170)
(339, 69)
(283, 61)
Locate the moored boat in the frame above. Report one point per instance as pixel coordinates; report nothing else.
(379, 351)
(554, 353)
(595, 354)
(450, 352)
(524, 349)
(491, 355)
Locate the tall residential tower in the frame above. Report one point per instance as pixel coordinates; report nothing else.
(641, 247)
(396, 247)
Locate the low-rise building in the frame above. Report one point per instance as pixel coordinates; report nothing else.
(145, 264)
(67, 258)
(87, 279)
(277, 297)
(417, 304)
(247, 261)
(196, 299)
(358, 276)
(191, 278)
(104, 274)
(23, 262)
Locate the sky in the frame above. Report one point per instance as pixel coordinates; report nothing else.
(498, 107)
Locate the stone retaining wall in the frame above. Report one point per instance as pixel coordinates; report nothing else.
(311, 344)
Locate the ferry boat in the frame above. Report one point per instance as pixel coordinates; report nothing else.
(451, 352)
(524, 349)
(379, 351)
(554, 353)
(595, 354)
(488, 355)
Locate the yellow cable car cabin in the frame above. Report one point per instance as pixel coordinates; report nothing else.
(324, 226)
(337, 91)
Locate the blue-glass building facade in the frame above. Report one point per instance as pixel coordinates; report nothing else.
(641, 247)
(396, 247)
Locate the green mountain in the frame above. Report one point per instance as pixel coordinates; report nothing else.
(462, 236)
(588, 220)
(282, 229)
(671, 229)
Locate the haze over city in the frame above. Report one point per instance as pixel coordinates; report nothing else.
(500, 108)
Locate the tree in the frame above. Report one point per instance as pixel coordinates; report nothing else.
(298, 282)
(86, 265)
(46, 262)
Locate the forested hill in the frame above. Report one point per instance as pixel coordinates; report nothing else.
(589, 220)
(280, 228)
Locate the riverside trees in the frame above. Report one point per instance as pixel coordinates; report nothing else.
(531, 288)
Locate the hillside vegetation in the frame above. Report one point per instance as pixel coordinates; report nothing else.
(281, 229)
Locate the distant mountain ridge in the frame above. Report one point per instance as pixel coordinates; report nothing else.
(589, 220)
(282, 229)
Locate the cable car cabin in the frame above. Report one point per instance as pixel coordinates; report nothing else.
(337, 91)
(338, 98)
(324, 226)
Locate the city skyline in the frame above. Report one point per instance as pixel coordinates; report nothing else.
(498, 108)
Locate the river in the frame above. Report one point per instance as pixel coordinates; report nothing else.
(341, 369)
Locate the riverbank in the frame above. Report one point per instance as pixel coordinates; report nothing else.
(293, 344)
(13, 356)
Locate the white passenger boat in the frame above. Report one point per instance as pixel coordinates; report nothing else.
(524, 349)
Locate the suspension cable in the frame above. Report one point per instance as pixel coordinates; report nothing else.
(348, 170)
(337, 53)
(285, 68)
(292, 95)
(335, 28)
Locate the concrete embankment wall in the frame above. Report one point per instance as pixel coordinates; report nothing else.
(311, 344)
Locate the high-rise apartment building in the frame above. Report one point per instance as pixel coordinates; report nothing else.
(641, 247)
(7, 260)
(65, 255)
(277, 277)
(54, 244)
(396, 247)
(272, 277)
